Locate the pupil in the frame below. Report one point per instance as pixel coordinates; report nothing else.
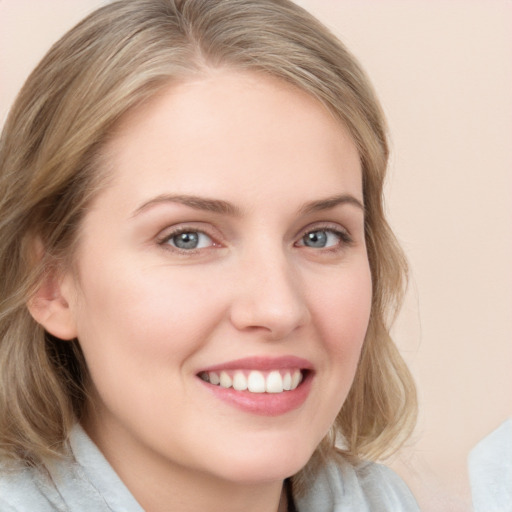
(186, 240)
(316, 239)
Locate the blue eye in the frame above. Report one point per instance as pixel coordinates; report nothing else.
(323, 238)
(189, 240)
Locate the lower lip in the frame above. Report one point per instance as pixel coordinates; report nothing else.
(264, 404)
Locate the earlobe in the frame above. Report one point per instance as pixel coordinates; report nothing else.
(50, 306)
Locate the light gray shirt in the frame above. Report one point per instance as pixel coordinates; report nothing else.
(89, 484)
(490, 471)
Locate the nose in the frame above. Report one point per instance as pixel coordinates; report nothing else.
(268, 296)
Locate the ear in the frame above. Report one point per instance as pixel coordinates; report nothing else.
(51, 305)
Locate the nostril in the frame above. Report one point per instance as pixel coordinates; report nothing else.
(273, 323)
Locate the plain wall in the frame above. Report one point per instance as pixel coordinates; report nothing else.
(443, 70)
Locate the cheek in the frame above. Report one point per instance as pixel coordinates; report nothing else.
(139, 332)
(145, 319)
(343, 306)
(343, 311)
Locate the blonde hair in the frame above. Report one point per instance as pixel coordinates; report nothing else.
(50, 153)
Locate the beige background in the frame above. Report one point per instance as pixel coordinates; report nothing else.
(443, 70)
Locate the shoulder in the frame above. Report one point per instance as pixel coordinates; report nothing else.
(84, 481)
(365, 487)
(26, 489)
(380, 484)
(379, 480)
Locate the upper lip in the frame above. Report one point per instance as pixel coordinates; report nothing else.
(262, 363)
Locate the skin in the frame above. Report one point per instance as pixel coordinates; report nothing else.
(149, 316)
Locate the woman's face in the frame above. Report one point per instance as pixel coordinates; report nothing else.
(228, 246)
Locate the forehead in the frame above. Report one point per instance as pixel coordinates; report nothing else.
(229, 128)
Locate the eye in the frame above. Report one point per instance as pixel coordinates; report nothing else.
(188, 240)
(324, 238)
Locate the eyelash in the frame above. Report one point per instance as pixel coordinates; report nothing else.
(164, 241)
(345, 239)
(344, 236)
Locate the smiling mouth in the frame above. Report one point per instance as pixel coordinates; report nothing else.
(255, 381)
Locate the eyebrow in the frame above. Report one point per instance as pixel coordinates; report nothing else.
(226, 208)
(195, 202)
(331, 202)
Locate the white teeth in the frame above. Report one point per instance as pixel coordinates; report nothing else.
(296, 378)
(287, 381)
(274, 381)
(239, 382)
(256, 382)
(225, 380)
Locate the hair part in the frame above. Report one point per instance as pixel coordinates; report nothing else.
(52, 166)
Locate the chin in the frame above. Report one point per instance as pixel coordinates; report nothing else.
(265, 464)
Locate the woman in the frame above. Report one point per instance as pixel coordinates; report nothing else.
(197, 274)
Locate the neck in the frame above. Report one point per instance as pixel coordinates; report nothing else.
(212, 497)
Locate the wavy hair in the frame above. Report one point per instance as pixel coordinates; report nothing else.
(50, 161)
